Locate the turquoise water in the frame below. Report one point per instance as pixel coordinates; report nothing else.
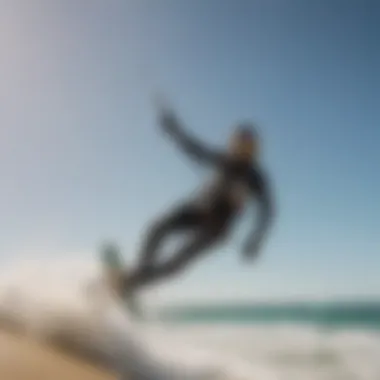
(337, 314)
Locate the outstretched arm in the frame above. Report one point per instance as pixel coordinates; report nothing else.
(189, 144)
(265, 217)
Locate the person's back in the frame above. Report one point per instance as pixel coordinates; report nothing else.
(232, 183)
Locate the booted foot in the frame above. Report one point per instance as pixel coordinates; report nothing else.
(129, 296)
(133, 306)
(117, 278)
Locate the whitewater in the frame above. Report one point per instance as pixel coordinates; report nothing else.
(68, 300)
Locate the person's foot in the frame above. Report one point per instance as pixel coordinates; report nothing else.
(128, 294)
(133, 306)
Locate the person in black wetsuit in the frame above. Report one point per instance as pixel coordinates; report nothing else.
(209, 217)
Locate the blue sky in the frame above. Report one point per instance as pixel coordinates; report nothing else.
(82, 159)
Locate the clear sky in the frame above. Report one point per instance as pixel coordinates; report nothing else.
(81, 158)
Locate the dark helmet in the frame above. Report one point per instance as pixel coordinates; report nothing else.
(244, 141)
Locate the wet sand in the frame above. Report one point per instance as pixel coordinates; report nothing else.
(21, 358)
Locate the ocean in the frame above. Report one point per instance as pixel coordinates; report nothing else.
(266, 341)
(327, 315)
(292, 340)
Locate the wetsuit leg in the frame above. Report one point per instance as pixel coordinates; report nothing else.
(202, 241)
(187, 217)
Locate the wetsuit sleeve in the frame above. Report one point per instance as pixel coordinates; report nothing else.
(261, 189)
(189, 144)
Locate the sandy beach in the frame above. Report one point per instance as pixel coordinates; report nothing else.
(22, 358)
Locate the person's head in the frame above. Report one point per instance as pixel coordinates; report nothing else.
(244, 142)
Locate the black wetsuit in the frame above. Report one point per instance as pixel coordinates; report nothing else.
(208, 217)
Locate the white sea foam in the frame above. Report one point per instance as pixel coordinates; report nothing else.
(67, 299)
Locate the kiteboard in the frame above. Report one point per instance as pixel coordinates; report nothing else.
(115, 270)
